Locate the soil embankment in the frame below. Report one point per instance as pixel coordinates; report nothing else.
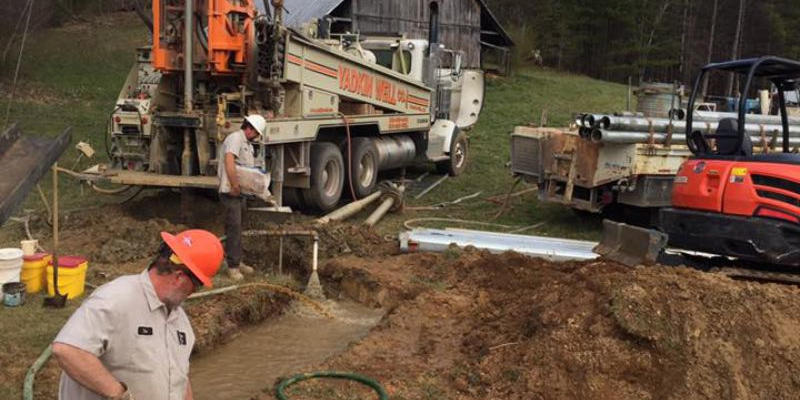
(481, 326)
(471, 325)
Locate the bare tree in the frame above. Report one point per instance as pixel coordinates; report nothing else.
(710, 43)
(662, 11)
(735, 46)
(684, 22)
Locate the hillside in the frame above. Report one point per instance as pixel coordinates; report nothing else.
(61, 87)
(463, 324)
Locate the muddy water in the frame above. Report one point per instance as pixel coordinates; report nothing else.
(291, 343)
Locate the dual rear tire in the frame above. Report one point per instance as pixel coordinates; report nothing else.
(329, 177)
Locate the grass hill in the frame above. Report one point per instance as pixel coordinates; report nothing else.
(71, 76)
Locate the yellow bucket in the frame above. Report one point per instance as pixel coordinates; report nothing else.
(71, 276)
(33, 267)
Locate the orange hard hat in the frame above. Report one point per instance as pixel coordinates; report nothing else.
(200, 250)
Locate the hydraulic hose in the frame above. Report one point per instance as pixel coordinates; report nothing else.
(27, 389)
(349, 156)
(92, 185)
(280, 393)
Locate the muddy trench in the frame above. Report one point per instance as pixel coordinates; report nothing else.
(467, 324)
(248, 340)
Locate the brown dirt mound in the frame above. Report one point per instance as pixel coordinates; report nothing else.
(335, 239)
(117, 234)
(481, 326)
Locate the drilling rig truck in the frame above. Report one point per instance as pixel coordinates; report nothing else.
(339, 107)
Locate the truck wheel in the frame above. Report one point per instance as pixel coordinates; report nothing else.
(458, 156)
(327, 177)
(293, 198)
(364, 166)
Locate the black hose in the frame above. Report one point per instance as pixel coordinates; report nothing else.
(142, 12)
(110, 129)
(280, 390)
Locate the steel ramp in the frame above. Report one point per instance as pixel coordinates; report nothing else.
(23, 161)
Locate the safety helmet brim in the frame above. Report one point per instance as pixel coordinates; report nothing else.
(182, 251)
(257, 125)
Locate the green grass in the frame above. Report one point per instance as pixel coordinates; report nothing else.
(60, 86)
(70, 77)
(25, 332)
(512, 101)
(64, 85)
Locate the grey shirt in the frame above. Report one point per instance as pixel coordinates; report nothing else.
(136, 338)
(237, 144)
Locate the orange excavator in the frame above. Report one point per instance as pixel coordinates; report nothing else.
(727, 200)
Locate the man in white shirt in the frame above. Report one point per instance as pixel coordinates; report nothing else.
(131, 339)
(236, 149)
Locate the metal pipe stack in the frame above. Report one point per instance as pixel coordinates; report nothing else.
(633, 128)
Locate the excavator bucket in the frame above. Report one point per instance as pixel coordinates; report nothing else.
(630, 245)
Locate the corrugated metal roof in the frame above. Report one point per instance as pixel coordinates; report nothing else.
(297, 12)
(300, 11)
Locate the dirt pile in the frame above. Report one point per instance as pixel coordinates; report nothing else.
(480, 326)
(335, 239)
(117, 234)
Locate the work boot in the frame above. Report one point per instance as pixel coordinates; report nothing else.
(246, 269)
(235, 274)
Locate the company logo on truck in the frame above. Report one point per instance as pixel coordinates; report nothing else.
(368, 85)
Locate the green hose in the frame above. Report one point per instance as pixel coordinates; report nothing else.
(27, 388)
(280, 395)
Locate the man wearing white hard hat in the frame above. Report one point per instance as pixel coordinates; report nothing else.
(236, 149)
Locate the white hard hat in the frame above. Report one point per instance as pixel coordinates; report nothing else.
(258, 122)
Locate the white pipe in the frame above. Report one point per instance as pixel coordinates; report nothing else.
(349, 209)
(379, 212)
(382, 209)
(624, 137)
(315, 256)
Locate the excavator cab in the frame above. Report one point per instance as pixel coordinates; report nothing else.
(730, 200)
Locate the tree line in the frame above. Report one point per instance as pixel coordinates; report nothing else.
(617, 40)
(648, 40)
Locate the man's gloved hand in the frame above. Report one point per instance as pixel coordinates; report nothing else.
(126, 395)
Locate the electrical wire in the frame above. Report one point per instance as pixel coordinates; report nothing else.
(507, 199)
(19, 62)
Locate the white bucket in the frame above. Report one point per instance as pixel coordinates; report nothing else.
(10, 265)
(29, 246)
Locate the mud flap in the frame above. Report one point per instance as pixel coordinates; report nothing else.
(630, 245)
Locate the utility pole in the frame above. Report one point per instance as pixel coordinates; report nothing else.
(710, 45)
(735, 47)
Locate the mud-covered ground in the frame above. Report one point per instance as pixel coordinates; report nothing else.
(470, 325)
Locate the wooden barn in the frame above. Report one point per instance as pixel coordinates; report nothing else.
(465, 25)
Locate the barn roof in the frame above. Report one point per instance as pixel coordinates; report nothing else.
(300, 11)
